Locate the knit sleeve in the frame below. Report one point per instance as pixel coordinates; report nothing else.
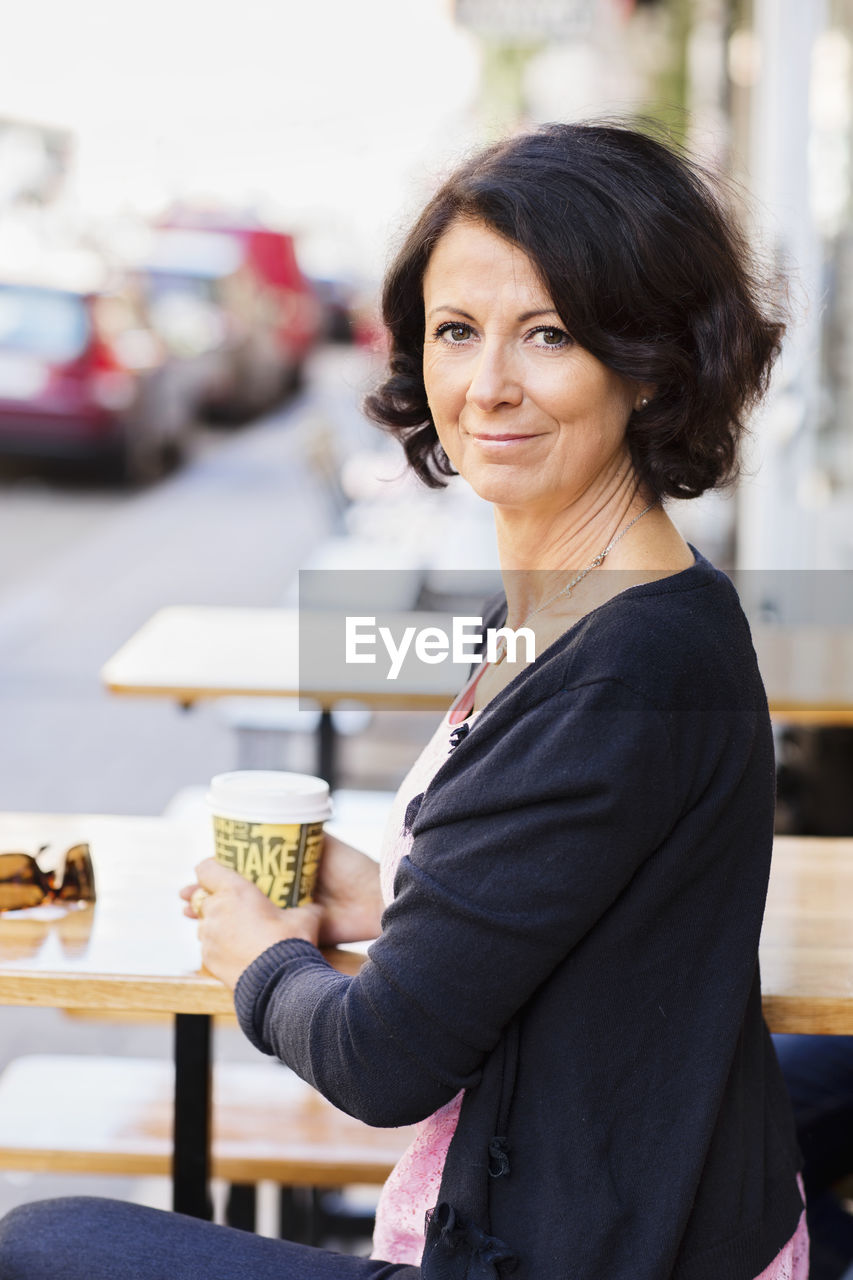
(520, 846)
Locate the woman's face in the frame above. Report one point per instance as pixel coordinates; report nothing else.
(529, 418)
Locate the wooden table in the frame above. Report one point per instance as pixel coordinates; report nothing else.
(807, 939)
(198, 652)
(133, 950)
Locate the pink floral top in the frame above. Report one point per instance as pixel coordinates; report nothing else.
(413, 1184)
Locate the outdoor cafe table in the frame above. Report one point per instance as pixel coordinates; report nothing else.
(192, 653)
(197, 652)
(133, 950)
(806, 951)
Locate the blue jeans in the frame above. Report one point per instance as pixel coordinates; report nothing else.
(818, 1071)
(84, 1238)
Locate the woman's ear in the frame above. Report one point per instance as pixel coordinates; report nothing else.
(645, 395)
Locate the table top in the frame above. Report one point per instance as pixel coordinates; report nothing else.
(135, 950)
(807, 939)
(195, 652)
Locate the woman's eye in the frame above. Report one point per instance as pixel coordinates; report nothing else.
(454, 332)
(551, 337)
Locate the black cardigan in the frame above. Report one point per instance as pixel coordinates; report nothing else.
(574, 942)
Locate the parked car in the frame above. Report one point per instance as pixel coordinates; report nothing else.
(207, 308)
(83, 377)
(267, 295)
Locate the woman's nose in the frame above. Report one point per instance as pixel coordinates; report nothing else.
(494, 380)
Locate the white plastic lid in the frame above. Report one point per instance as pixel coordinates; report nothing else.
(269, 795)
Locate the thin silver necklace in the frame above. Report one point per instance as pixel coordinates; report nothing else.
(500, 647)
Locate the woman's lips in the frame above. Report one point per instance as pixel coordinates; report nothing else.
(504, 438)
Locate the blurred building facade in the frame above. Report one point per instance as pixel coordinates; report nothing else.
(760, 91)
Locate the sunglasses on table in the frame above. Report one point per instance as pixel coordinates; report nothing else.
(24, 884)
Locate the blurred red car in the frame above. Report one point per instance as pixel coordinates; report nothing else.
(206, 308)
(82, 377)
(276, 300)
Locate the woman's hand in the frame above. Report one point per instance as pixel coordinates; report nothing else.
(348, 892)
(237, 922)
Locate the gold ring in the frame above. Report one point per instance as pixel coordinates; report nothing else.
(197, 901)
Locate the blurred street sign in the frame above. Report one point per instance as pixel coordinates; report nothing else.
(526, 19)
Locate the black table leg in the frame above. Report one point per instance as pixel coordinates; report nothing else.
(326, 762)
(193, 1087)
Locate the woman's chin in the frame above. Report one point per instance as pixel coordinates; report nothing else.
(505, 491)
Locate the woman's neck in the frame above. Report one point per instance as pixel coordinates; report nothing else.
(541, 551)
(539, 560)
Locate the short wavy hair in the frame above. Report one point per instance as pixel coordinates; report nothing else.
(647, 272)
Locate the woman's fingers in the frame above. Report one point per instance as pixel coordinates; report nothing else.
(213, 876)
(237, 922)
(197, 901)
(187, 894)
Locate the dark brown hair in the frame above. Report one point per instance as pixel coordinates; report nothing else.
(646, 271)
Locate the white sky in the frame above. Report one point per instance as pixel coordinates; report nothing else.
(333, 114)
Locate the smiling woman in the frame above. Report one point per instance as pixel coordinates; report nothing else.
(563, 991)
(521, 411)
(643, 269)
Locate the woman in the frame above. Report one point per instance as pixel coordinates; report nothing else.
(564, 987)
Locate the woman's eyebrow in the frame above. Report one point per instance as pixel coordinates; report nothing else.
(522, 319)
(531, 315)
(457, 311)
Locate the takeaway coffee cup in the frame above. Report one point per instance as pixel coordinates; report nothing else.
(268, 826)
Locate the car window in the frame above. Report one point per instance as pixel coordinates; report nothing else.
(160, 284)
(43, 322)
(185, 313)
